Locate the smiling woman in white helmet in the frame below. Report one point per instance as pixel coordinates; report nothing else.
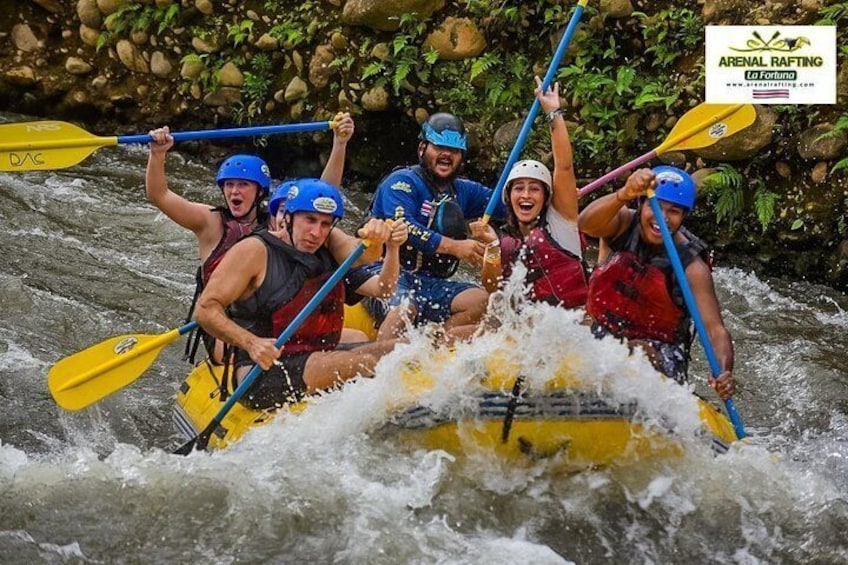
(541, 229)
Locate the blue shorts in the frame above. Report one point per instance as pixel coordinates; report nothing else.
(431, 296)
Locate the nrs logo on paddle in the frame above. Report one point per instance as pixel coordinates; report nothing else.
(771, 64)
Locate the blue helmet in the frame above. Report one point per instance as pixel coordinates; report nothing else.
(279, 197)
(444, 130)
(675, 186)
(247, 167)
(314, 195)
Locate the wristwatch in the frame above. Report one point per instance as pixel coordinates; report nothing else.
(553, 114)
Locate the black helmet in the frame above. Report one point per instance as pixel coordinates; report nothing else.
(445, 130)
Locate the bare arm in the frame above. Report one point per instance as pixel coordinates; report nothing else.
(701, 282)
(190, 215)
(564, 198)
(237, 277)
(384, 285)
(607, 217)
(334, 169)
(341, 244)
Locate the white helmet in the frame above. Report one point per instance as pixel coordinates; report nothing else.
(528, 169)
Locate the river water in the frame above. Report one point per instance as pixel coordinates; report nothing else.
(84, 257)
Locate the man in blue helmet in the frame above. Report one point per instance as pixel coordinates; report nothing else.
(259, 288)
(437, 204)
(634, 296)
(244, 181)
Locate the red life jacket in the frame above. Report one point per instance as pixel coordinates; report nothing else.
(634, 294)
(233, 231)
(557, 276)
(292, 278)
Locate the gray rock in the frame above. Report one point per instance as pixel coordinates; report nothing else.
(812, 146)
(456, 39)
(22, 76)
(204, 7)
(110, 6)
(384, 15)
(24, 39)
(819, 173)
(296, 90)
(89, 13)
(77, 66)
(381, 52)
(230, 75)
(320, 70)
(99, 81)
(89, 35)
(224, 96)
(673, 158)
(616, 8)
(204, 45)
(131, 57)
(160, 65)
(506, 135)
(746, 143)
(376, 99)
(267, 42)
(191, 69)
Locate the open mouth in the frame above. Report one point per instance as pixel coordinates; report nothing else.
(526, 207)
(236, 202)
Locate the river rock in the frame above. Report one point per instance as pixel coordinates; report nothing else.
(700, 176)
(23, 38)
(838, 273)
(506, 135)
(163, 4)
(190, 70)
(22, 76)
(811, 5)
(160, 65)
(746, 143)
(616, 8)
(320, 70)
(52, 6)
(131, 57)
(338, 41)
(421, 115)
(205, 45)
(89, 35)
(673, 158)
(783, 169)
(230, 75)
(99, 82)
(376, 99)
(717, 8)
(296, 90)
(110, 6)
(381, 52)
(456, 39)
(842, 80)
(811, 145)
(224, 96)
(267, 42)
(653, 122)
(139, 37)
(384, 15)
(205, 7)
(819, 173)
(77, 66)
(89, 13)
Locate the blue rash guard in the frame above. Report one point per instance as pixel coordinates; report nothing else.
(406, 190)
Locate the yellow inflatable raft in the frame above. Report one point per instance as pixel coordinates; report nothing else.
(579, 427)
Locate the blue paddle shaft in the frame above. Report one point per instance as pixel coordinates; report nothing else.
(187, 328)
(715, 368)
(231, 132)
(534, 109)
(284, 337)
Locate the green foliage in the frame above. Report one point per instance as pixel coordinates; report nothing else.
(670, 33)
(135, 17)
(832, 15)
(208, 77)
(765, 204)
(727, 184)
(289, 34)
(239, 33)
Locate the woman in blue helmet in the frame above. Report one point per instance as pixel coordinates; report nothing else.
(244, 181)
(633, 294)
(261, 286)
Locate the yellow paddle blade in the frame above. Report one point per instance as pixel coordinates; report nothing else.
(706, 124)
(84, 378)
(36, 146)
